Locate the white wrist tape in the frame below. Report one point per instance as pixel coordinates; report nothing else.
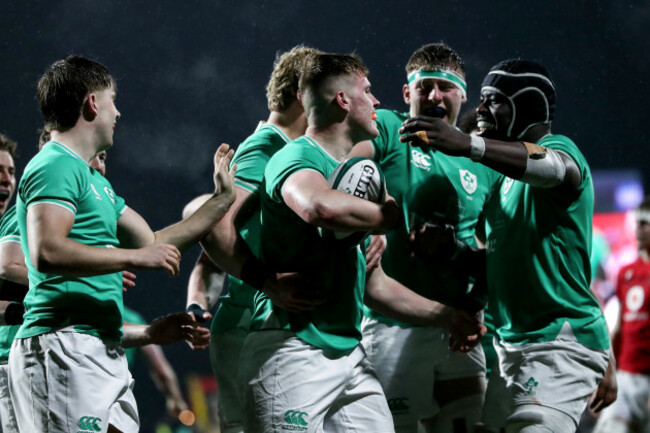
(545, 170)
(476, 148)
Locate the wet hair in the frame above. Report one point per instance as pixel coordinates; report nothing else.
(319, 67)
(8, 145)
(63, 87)
(529, 90)
(435, 57)
(282, 87)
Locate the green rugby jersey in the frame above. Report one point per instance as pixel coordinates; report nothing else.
(8, 233)
(289, 244)
(251, 157)
(434, 187)
(92, 305)
(538, 269)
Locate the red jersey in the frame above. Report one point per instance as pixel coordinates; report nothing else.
(633, 291)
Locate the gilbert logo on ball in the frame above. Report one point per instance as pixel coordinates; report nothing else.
(362, 178)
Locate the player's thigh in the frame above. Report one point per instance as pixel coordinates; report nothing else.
(532, 418)
(66, 380)
(361, 406)
(559, 374)
(397, 356)
(225, 354)
(288, 384)
(8, 423)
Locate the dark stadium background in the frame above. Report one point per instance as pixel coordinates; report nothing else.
(191, 74)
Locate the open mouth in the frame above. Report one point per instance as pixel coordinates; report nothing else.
(484, 125)
(438, 112)
(4, 195)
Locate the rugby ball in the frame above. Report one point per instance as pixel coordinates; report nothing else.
(362, 178)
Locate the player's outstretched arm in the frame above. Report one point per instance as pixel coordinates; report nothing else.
(51, 250)
(528, 162)
(308, 194)
(165, 379)
(134, 232)
(189, 231)
(168, 329)
(392, 299)
(223, 244)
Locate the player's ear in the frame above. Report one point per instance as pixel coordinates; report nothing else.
(342, 100)
(406, 92)
(89, 108)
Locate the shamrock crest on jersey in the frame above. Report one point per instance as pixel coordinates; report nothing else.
(468, 181)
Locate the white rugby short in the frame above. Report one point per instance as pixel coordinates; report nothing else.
(409, 361)
(292, 386)
(7, 417)
(225, 350)
(66, 381)
(560, 374)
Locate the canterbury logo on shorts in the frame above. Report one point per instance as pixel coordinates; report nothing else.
(295, 420)
(89, 424)
(398, 405)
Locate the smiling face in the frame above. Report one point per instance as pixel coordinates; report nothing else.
(428, 93)
(494, 115)
(7, 180)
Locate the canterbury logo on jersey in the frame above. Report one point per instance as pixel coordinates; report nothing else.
(398, 405)
(295, 420)
(89, 424)
(420, 160)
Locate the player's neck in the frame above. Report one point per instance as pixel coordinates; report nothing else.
(644, 255)
(79, 140)
(535, 133)
(334, 139)
(292, 122)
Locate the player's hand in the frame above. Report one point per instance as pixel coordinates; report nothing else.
(392, 215)
(375, 250)
(128, 280)
(200, 338)
(171, 329)
(607, 389)
(175, 405)
(224, 179)
(434, 133)
(466, 329)
(434, 242)
(292, 292)
(198, 313)
(157, 256)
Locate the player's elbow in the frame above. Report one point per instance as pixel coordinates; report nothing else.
(320, 214)
(44, 258)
